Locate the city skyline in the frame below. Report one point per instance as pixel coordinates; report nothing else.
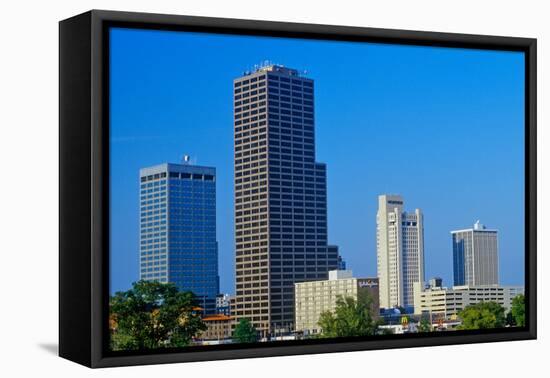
(359, 255)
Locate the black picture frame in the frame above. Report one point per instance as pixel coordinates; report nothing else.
(84, 185)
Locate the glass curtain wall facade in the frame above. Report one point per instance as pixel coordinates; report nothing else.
(475, 256)
(178, 229)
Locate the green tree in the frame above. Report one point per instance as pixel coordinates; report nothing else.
(510, 321)
(245, 332)
(425, 326)
(482, 315)
(153, 315)
(350, 318)
(518, 310)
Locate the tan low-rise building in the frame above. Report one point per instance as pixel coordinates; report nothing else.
(315, 297)
(219, 328)
(446, 303)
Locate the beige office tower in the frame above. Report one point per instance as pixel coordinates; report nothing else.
(400, 252)
(315, 297)
(280, 197)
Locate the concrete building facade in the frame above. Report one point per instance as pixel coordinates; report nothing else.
(444, 303)
(219, 329)
(178, 229)
(280, 196)
(315, 297)
(223, 304)
(475, 256)
(400, 251)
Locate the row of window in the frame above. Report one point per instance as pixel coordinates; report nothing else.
(153, 184)
(241, 126)
(250, 105)
(152, 195)
(153, 189)
(153, 241)
(193, 194)
(243, 95)
(160, 267)
(157, 235)
(145, 230)
(160, 210)
(252, 151)
(252, 115)
(300, 181)
(280, 107)
(152, 206)
(251, 142)
(191, 176)
(298, 152)
(305, 82)
(153, 177)
(260, 139)
(256, 129)
(291, 100)
(152, 201)
(254, 154)
(151, 258)
(283, 130)
(248, 87)
(294, 142)
(255, 134)
(271, 195)
(197, 205)
(299, 175)
(241, 164)
(321, 231)
(187, 237)
(249, 100)
(250, 199)
(297, 205)
(308, 95)
(319, 239)
(251, 80)
(301, 206)
(295, 87)
(295, 119)
(250, 90)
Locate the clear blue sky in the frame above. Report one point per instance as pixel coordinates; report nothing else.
(442, 127)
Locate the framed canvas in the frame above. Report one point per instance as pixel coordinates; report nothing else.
(236, 188)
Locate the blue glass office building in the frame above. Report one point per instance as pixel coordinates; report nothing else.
(475, 256)
(178, 229)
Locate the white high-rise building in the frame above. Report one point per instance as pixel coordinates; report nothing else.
(400, 251)
(475, 256)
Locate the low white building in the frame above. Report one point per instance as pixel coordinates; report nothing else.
(447, 303)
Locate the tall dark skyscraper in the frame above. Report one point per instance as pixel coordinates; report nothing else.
(280, 196)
